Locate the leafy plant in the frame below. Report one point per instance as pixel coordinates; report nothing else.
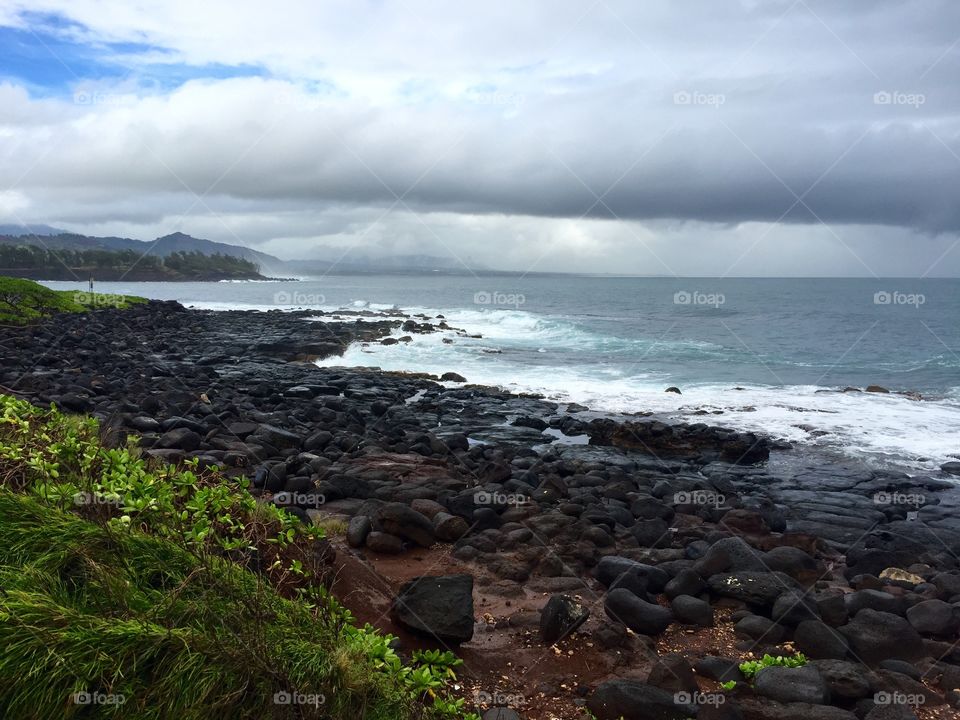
(751, 667)
(133, 578)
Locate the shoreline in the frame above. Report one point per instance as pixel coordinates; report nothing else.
(400, 459)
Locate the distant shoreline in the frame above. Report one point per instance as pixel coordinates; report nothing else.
(83, 276)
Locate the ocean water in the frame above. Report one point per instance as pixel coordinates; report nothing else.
(760, 354)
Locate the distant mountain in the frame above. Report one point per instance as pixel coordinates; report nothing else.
(161, 247)
(17, 230)
(355, 262)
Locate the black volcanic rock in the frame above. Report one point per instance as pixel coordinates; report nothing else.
(560, 617)
(876, 636)
(635, 700)
(439, 606)
(640, 616)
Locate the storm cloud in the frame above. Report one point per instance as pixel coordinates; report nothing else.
(662, 137)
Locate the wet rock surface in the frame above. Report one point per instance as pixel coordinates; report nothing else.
(656, 534)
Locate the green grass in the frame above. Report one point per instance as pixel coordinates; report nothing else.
(24, 301)
(127, 579)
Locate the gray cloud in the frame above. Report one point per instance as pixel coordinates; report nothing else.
(492, 122)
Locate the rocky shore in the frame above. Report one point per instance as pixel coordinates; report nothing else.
(577, 562)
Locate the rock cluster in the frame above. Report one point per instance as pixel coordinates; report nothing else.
(665, 524)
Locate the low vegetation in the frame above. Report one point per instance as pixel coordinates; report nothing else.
(750, 668)
(23, 301)
(25, 260)
(156, 592)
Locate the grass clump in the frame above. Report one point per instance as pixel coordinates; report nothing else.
(137, 590)
(24, 301)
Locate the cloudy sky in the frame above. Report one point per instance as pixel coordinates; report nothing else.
(668, 137)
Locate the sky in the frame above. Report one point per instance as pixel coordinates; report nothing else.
(664, 137)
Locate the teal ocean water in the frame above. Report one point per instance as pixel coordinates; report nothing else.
(762, 354)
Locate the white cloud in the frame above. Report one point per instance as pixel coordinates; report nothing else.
(500, 125)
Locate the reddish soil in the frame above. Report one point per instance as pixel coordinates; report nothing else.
(506, 662)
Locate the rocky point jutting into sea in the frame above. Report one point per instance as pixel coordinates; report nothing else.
(571, 558)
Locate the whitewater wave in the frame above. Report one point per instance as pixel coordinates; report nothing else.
(524, 352)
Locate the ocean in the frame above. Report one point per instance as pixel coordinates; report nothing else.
(770, 355)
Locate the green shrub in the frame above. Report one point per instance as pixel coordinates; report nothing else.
(752, 667)
(142, 591)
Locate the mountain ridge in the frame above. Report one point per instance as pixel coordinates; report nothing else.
(52, 238)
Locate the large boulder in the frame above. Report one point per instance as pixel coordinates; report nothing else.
(685, 582)
(847, 681)
(278, 437)
(403, 521)
(759, 629)
(793, 607)
(876, 636)
(731, 554)
(638, 615)
(793, 561)
(934, 617)
(634, 700)
(449, 528)
(560, 617)
(440, 606)
(818, 640)
(692, 611)
(180, 439)
(718, 668)
(755, 588)
(357, 530)
(384, 543)
(874, 600)
(672, 672)
(613, 566)
(790, 685)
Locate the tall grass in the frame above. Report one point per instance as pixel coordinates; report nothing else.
(140, 602)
